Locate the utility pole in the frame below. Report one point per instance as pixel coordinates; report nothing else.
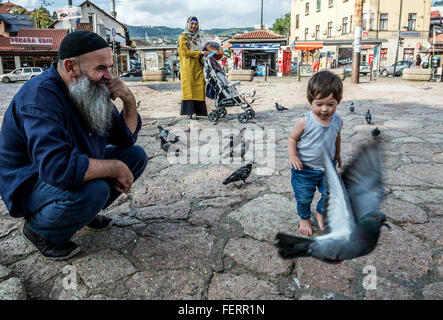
(261, 20)
(399, 41)
(358, 16)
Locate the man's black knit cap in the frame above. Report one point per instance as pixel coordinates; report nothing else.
(80, 42)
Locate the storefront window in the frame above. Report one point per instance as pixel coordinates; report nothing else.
(26, 61)
(8, 63)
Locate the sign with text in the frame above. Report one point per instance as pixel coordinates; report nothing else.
(69, 13)
(38, 41)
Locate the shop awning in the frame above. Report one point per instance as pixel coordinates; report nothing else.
(307, 45)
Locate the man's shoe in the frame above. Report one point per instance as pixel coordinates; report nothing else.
(47, 248)
(100, 223)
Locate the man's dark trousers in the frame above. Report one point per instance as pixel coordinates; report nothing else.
(58, 214)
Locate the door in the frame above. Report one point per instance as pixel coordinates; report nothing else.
(26, 74)
(16, 75)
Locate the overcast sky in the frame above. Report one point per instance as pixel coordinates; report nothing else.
(173, 13)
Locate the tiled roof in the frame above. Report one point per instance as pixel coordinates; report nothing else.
(83, 26)
(57, 36)
(7, 6)
(258, 34)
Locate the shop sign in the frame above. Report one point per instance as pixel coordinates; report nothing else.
(39, 41)
(69, 13)
(267, 47)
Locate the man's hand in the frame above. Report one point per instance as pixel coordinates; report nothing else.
(118, 89)
(113, 169)
(295, 162)
(123, 177)
(206, 53)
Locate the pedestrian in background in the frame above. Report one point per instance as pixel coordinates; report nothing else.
(191, 54)
(417, 62)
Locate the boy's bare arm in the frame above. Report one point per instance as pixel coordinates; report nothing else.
(337, 156)
(294, 137)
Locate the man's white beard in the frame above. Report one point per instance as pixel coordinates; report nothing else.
(93, 103)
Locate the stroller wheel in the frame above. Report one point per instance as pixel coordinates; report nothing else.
(251, 113)
(213, 116)
(222, 112)
(243, 117)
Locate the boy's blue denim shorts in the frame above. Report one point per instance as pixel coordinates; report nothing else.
(304, 183)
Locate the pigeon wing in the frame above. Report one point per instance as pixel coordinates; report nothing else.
(338, 211)
(363, 180)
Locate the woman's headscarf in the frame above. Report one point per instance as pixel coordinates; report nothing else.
(195, 39)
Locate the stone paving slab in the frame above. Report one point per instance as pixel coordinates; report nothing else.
(181, 234)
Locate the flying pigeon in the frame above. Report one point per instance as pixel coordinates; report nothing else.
(375, 132)
(280, 108)
(368, 117)
(241, 173)
(353, 225)
(351, 107)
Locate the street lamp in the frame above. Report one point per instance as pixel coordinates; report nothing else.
(261, 20)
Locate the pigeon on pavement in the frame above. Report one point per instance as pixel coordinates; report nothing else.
(368, 117)
(280, 108)
(351, 107)
(167, 135)
(241, 173)
(375, 132)
(166, 146)
(353, 222)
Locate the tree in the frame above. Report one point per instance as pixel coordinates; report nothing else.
(282, 25)
(42, 17)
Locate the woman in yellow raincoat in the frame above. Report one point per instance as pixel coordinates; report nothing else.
(191, 70)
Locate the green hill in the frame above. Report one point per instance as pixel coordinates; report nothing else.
(173, 33)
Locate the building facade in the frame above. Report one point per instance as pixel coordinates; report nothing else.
(331, 24)
(102, 23)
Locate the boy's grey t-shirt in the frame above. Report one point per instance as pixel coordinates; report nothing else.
(312, 139)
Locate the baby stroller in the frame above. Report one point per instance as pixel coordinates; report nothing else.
(225, 93)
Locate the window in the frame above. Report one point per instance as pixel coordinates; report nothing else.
(307, 8)
(372, 21)
(329, 29)
(27, 70)
(412, 17)
(318, 5)
(36, 70)
(317, 31)
(383, 54)
(344, 28)
(306, 33)
(364, 21)
(330, 3)
(297, 21)
(408, 54)
(383, 21)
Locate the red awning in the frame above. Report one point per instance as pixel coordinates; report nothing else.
(307, 45)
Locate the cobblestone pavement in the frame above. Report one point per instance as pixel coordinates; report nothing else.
(181, 234)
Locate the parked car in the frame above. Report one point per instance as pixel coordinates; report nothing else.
(135, 72)
(21, 74)
(403, 64)
(365, 68)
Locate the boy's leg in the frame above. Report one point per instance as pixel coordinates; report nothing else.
(136, 160)
(304, 189)
(320, 204)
